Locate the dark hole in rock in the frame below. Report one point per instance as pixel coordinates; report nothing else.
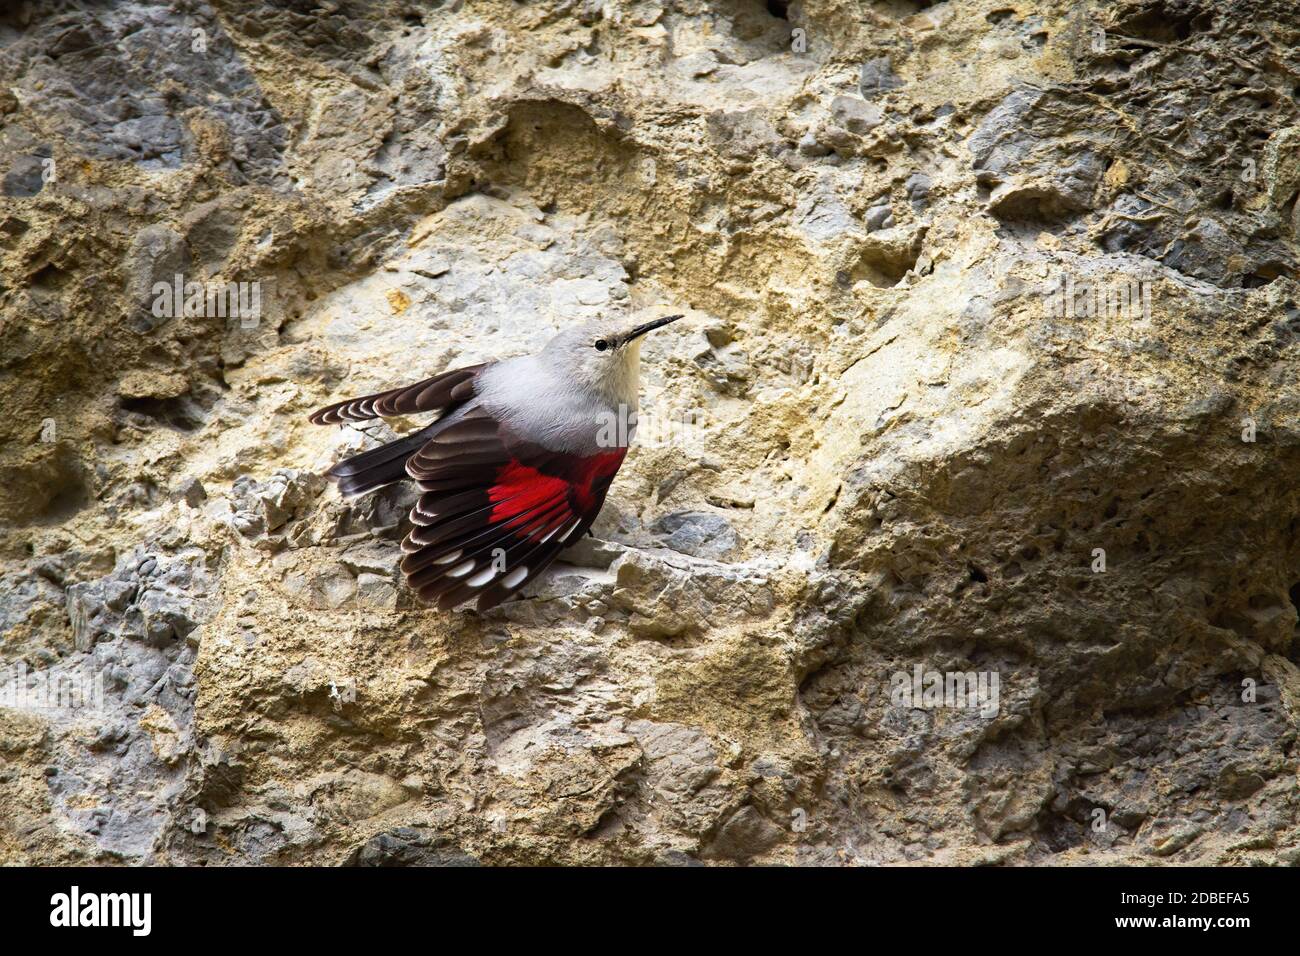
(778, 9)
(178, 413)
(1000, 15)
(1060, 835)
(884, 265)
(50, 277)
(905, 8)
(66, 503)
(1265, 274)
(14, 228)
(977, 575)
(1165, 23)
(67, 494)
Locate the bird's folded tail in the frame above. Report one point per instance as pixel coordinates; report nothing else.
(379, 466)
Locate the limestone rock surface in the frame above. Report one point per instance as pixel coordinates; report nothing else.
(989, 370)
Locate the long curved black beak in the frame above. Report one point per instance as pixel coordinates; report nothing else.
(641, 330)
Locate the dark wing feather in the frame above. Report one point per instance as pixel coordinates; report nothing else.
(447, 388)
(495, 510)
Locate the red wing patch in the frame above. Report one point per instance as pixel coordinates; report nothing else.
(521, 488)
(490, 543)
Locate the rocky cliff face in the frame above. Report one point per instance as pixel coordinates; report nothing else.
(964, 527)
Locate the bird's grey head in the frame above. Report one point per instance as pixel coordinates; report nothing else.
(603, 356)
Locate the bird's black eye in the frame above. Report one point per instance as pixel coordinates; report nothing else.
(601, 345)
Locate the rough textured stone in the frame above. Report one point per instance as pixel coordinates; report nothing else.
(881, 440)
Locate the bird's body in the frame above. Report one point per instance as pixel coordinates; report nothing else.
(515, 467)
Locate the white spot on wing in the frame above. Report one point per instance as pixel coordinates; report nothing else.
(448, 558)
(460, 570)
(482, 578)
(514, 577)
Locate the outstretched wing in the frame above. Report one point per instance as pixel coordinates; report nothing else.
(444, 389)
(495, 510)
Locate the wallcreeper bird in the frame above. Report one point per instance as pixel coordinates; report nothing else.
(515, 467)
